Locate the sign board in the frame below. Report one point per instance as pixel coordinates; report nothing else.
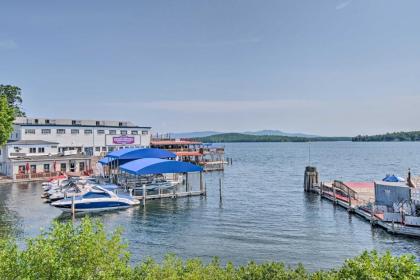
(121, 140)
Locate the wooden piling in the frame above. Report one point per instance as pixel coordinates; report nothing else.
(220, 188)
(73, 208)
(310, 178)
(144, 194)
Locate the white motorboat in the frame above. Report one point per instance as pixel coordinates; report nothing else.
(96, 199)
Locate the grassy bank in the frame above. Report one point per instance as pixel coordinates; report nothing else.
(85, 251)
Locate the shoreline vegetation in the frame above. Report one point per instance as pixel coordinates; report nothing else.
(410, 136)
(85, 251)
(240, 137)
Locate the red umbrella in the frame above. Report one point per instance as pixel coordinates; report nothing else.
(27, 167)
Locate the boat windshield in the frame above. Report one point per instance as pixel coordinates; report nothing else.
(96, 195)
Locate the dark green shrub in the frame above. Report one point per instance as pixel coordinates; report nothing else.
(87, 252)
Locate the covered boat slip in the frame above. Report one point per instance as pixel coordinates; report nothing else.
(113, 160)
(184, 175)
(152, 173)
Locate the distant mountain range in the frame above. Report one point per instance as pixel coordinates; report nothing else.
(200, 134)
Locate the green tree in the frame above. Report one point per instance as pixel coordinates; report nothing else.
(85, 251)
(14, 98)
(7, 116)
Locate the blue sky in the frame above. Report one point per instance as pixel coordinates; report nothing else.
(330, 67)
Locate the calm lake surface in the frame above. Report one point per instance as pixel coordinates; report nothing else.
(264, 216)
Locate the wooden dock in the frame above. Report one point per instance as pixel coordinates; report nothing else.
(353, 197)
(373, 218)
(169, 195)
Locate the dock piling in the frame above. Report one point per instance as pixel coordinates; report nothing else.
(144, 194)
(310, 178)
(73, 208)
(220, 188)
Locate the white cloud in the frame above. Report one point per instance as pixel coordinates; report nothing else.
(8, 44)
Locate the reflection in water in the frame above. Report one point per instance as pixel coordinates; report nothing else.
(264, 214)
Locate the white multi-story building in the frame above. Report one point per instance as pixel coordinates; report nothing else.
(91, 137)
(40, 147)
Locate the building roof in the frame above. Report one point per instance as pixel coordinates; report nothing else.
(188, 153)
(174, 142)
(31, 142)
(72, 122)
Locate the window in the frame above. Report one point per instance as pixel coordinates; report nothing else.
(96, 195)
(74, 131)
(46, 131)
(53, 147)
(98, 123)
(134, 132)
(123, 132)
(30, 131)
(101, 131)
(36, 121)
(63, 167)
(73, 122)
(144, 132)
(98, 149)
(88, 131)
(120, 124)
(47, 121)
(61, 131)
(32, 150)
(103, 149)
(72, 166)
(46, 167)
(17, 149)
(81, 166)
(33, 168)
(22, 169)
(41, 150)
(112, 132)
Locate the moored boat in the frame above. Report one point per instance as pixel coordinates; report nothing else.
(96, 199)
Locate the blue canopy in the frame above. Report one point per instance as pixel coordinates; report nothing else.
(133, 153)
(105, 160)
(393, 179)
(147, 166)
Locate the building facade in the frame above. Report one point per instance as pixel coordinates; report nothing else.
(40, 147)
(90, 137)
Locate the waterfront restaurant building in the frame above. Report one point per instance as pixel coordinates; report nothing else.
(40, 146)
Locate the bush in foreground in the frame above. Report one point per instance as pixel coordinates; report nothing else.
(87, 252)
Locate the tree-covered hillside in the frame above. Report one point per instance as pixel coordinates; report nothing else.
(389, 137)
(239, 137)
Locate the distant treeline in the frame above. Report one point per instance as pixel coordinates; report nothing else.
(389, 137)
(239, 137)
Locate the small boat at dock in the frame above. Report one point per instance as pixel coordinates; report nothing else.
(96, 199)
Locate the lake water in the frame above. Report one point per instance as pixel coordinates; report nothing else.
(264, 215)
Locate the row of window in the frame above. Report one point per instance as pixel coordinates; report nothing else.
(86, 131)
(47, 168)
(32, 150)
(75, 122)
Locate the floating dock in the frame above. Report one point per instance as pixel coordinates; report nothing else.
(353, 196)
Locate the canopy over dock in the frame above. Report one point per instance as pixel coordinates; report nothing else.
(148, 166)
(129, 154)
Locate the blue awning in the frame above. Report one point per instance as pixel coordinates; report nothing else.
(393, 179)
(147, 166)
(105, 160)
(132, 154)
